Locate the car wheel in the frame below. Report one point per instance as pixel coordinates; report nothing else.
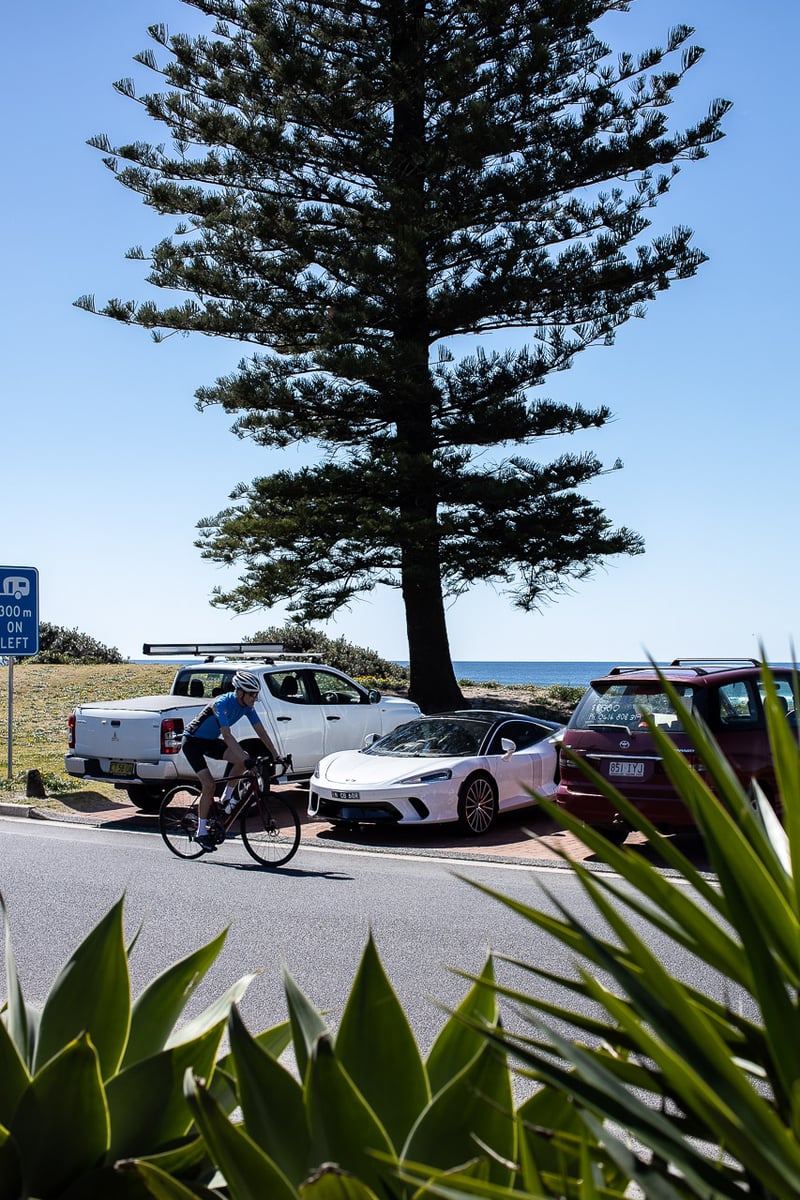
(148, 799)
(477, 804)
(615, 833)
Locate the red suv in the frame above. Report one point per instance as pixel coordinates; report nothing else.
(607, 729)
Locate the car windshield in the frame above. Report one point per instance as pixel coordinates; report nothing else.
(624, 705)
(434, 738)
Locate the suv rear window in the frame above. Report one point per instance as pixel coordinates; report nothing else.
(623, 705)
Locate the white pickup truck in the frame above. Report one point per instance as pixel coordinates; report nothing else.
(309, 710)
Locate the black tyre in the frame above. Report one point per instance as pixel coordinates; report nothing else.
(615, 833)
(477, 804)
(177, 820)
(145, 797)
(270, 829)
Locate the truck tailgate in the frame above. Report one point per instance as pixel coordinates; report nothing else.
(128, 729)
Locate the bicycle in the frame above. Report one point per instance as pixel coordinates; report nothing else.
(269, 824)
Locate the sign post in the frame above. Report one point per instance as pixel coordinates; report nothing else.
(19, 627)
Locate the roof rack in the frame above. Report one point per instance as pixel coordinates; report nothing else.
(247, 651)
(200, 648)
(700, 666)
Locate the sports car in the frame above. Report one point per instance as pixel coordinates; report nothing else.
(456, 766)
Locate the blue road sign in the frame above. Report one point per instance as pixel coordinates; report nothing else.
(19, 611)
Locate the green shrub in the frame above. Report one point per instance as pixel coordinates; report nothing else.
(566, 693)
(355, 661)
(60, 645)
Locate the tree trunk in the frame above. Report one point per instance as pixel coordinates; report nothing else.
(433, 682)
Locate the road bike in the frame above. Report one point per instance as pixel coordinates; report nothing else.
(268, 821)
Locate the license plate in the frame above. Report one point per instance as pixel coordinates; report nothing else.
(626, 769)
(346, 795)
(121, 768)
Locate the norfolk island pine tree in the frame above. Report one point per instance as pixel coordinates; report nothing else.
(357, 186)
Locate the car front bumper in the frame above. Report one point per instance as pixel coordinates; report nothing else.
(379, 806)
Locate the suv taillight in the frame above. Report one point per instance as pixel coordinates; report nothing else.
(171, 733)
(71, 739)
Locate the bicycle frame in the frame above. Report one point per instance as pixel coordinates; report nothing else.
(269, 824)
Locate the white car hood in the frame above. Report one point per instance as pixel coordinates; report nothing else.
(354, 768)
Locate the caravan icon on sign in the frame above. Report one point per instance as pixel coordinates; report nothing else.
(16, 585)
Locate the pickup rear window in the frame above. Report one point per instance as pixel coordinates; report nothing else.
(202, 683)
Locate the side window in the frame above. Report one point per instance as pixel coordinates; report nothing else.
(519, 732)
(335, 690)
(738, 707)
(786, 698)
(289, 686)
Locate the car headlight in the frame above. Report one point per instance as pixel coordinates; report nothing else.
(429, 777)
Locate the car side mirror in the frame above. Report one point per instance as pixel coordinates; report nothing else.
(369, 740)
(508, 747)
(374, 696)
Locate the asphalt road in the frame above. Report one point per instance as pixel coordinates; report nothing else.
(312, 916)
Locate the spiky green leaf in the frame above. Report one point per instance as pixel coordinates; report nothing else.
(145, 1128)
(158, 1007)
(62, 1125)
(474, 1110)
(344, 1128)
(378, 1050)
(91, 993)
(272, 1104)
(459, 1041)
(249, 1173)
(306, 1022)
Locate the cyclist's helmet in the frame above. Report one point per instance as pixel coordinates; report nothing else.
(245, 681)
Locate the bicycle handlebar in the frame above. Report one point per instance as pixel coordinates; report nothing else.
(253, 764)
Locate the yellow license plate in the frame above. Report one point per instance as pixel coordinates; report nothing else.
(121, 768)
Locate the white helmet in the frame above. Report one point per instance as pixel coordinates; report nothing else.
(245, 681)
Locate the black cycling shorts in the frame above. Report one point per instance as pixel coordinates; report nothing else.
(196, 750)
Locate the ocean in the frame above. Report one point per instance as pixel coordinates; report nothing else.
(544, 674)
(541, 674)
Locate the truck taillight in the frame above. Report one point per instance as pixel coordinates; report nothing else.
(71, 739)
(171, 734)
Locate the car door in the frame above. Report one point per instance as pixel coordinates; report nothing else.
(347, 715)
(523, 772)
(294, 712)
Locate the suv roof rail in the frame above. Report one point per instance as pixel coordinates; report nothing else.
(700, 666)
(630, 670)
(717, 663)
(689, 666)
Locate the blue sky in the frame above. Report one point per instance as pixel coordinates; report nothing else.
(107, 465)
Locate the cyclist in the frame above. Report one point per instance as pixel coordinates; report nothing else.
(209, 736)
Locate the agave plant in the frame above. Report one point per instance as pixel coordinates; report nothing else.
(95, 1077)
(363, 1110)
(690, 1096)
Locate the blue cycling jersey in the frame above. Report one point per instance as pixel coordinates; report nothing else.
(225, 710)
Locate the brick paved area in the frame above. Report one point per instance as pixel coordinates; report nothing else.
(520, 837)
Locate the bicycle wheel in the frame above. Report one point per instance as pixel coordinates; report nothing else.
(177, 820)
(270, 829)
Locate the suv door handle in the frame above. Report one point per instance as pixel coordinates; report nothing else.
(334, 718)
(284, 718)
